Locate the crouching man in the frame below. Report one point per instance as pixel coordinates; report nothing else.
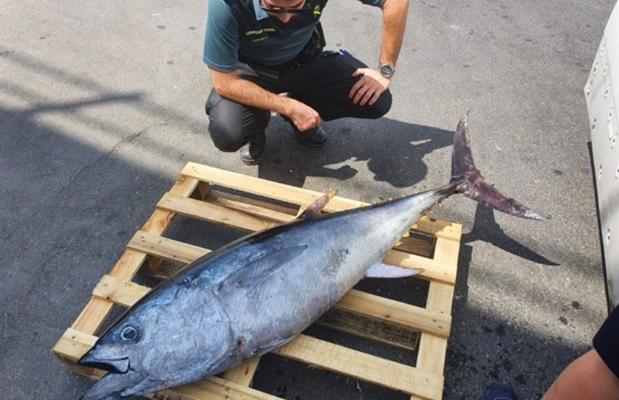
(259, 49)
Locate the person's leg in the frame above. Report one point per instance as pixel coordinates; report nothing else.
(594, 375)
(232, 125)
(588, 377)
(324, 84)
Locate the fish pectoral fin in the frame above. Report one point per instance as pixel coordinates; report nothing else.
(314, 209)
(258, 270)
(381, 270)
(148, 385)
(274, 344)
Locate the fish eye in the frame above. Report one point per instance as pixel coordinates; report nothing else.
(129, 334)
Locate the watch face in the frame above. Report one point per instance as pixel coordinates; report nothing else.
(386, 71)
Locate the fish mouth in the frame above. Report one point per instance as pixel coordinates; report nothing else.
(114, 386)
(118, 365)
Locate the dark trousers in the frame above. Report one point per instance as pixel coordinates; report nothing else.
(322, 83)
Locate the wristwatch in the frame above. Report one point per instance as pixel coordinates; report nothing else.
(386, 70)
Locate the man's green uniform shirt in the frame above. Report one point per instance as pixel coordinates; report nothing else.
(239, 30)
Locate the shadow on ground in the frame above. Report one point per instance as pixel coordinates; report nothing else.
(393, 151)
(485, 228)
(68, 210)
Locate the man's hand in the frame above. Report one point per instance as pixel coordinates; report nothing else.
(368, 89)
(302, 116)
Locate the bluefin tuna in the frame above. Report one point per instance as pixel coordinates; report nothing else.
(256, 294)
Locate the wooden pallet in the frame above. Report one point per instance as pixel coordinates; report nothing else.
(364, 314)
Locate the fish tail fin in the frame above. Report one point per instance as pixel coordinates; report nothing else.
(468, 180)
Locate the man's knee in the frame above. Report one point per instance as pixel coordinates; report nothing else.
(225, 137)
(231, 124)
(376, 110)
(381, 107)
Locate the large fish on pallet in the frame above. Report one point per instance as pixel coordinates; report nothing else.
(257, 293)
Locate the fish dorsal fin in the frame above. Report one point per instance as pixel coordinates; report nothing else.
(381, 270)
(259, 269)
(314, 209)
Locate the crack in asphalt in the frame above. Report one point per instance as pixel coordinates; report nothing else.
(25, 245)
(128, 139)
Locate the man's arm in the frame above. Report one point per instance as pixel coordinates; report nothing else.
(235, 88)
(372, 84)
(394, 24)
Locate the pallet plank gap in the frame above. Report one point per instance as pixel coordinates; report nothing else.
(370, 328)
(260, 208)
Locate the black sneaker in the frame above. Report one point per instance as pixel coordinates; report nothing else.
(253, 150)
(315, 137)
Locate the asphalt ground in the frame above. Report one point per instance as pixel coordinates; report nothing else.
(101, 104)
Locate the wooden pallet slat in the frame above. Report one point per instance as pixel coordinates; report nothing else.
(397, 312)
(168, 249)
(73, 344)
(213, 213)
(120, 292)
(282, 192)
(257, 204)
(254, 207)
(369, 368)
(244, 373)
(263, 187)
(432, 349)
(215, 388)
